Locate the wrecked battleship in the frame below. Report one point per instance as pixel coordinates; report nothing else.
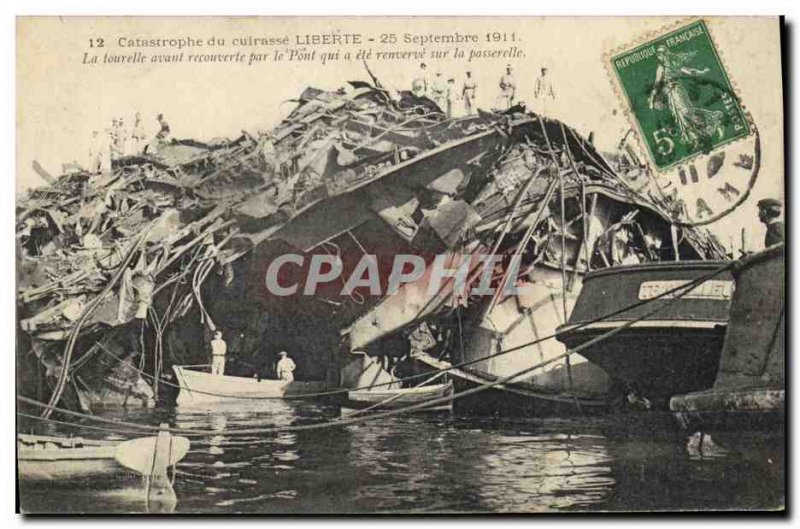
(127, 272)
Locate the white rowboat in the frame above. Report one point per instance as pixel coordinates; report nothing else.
(201, 387)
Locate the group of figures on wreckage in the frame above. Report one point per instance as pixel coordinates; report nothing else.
(443, 93)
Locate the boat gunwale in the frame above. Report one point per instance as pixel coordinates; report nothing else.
(751, 260)
(401, 392)
(231, 378)
(684, 324)
(660, 266)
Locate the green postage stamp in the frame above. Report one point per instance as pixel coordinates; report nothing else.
(680, 95)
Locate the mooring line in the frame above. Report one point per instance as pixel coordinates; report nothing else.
(115, 431)
(392, 413)
(453, 366)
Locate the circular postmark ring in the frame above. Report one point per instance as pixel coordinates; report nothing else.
(754, 171)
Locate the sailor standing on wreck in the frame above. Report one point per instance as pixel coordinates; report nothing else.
(508, 87)
(161, 137)
(218, 350)
(285, 368)
(419, 86)
(138, 136)
(543, 92)
(450, 96)
(437, 91)
(95, 153)
(468, 93)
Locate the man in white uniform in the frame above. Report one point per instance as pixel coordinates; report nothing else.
(138, 137)
(419, 86)
(437, 91)
(218, 350)
(468, 93)
(285, 367)
(543, 92)
(508, 88)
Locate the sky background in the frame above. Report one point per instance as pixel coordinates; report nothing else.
(60, 101)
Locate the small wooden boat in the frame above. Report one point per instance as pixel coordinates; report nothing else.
(511, 398)
(749, 393)
(388, 399)
(201, 387)
(674, 350)
(52, 458)
(64, 458)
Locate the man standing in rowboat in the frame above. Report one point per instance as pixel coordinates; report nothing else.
(218, 350)
(285, 367)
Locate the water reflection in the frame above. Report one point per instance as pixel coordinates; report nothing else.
(540, 473)
(433, 463)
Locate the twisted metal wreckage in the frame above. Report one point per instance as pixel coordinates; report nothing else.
(126, 272)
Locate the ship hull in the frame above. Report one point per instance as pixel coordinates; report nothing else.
(661, 346)
(658, 359)
(521, 325)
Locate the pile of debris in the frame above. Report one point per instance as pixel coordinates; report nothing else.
(95, 249)
(109, 260)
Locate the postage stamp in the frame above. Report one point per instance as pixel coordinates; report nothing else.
(680, 95)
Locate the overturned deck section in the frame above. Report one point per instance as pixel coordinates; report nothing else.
(130, 271)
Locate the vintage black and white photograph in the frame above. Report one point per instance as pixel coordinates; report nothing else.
(399, 265)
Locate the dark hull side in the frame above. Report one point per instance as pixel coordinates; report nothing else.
(670, 345)
(657, 363)
(519, 401)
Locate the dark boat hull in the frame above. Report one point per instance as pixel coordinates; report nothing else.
(665, 346)
(518, 401)
(657, 361)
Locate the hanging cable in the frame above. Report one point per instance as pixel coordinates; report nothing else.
(567, 362)
(88, 311)
(453, 366)
(684, 289)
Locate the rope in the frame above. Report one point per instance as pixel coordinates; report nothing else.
(394, 397)
(453, 366)
(392, 413)
(77, 425)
